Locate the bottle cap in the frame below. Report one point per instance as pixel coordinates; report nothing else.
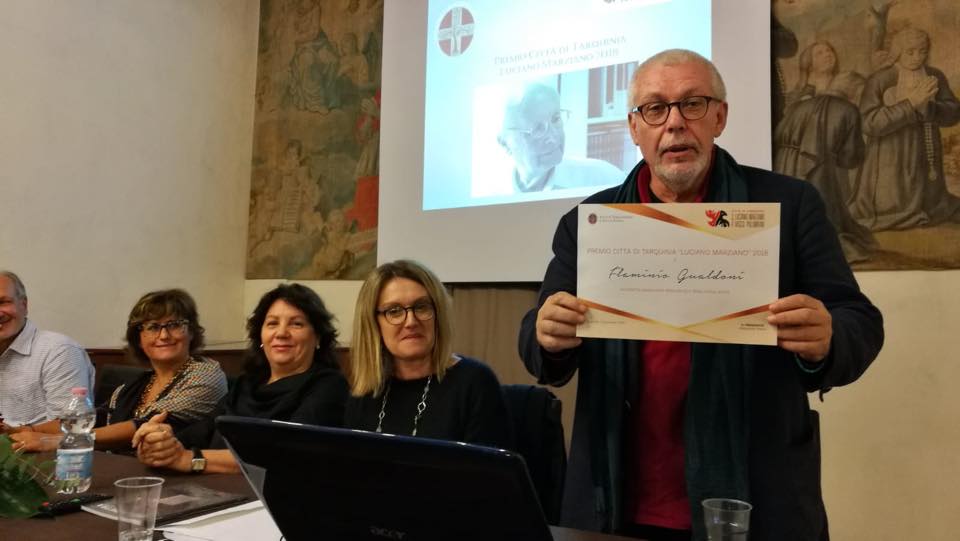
(79, 391)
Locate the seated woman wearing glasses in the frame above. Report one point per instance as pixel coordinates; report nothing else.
(404, 378)
(291, 375)
(163, 331)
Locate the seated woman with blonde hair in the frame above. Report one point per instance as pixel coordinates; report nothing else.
(292, 375)
(164, 332)
(404, 379)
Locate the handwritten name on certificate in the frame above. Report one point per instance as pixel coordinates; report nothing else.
(686, 272)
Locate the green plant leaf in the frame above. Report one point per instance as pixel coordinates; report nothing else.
(20, 492)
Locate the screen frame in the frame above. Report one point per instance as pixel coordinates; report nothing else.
(512, 242)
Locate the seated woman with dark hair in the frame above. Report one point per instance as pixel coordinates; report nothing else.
(404, 378)
(164, 332)
(291, 375)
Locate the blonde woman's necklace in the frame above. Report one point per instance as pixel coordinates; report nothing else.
(421, 407)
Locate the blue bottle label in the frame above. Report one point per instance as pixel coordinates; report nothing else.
(74, 464)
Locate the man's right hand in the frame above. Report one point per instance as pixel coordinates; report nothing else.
(557, 322)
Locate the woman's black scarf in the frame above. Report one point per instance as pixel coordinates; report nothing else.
(716, 425)
(253, 397)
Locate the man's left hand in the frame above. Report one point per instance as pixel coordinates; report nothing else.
(804, 326)
(34, 442)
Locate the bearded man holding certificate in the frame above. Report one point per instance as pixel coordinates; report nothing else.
(662, 425)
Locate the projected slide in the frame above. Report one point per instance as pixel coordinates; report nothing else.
(527, 101)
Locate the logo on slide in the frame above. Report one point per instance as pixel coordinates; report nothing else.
(456, 31)
(717, 218)
(592, 218)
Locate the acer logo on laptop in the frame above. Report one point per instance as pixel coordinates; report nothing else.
(387, 533)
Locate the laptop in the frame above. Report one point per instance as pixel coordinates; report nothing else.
(331, 483)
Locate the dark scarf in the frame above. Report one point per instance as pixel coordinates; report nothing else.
(254, 397)
(716, 424)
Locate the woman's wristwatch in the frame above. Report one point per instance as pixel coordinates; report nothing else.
(199, 463)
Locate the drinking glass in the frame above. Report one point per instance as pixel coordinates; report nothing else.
(137, 499)
(726, 519)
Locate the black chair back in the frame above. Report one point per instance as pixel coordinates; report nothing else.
(538, 433)
(112, 375)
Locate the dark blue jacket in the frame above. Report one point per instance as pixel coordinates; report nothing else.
(784, 446)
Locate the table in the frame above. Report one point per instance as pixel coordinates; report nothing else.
(109, 467)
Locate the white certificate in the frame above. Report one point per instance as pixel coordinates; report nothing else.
(687, 272)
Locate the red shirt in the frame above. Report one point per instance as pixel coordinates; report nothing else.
(656, 484)
(656, 487)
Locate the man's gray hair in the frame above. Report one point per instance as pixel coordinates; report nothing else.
(673, 57)
(518, 96)
(18, 288)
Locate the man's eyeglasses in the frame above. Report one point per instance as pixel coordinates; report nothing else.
(176, 328)
(655, 113)
(541, 128)
(395, 315)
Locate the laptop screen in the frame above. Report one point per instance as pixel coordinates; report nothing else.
(330, 483)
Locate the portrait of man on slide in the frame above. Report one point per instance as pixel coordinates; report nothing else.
(532, 134)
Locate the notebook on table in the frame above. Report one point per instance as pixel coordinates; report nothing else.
(331, 483)
(177, 502)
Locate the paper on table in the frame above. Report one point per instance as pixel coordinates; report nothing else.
(248, 521)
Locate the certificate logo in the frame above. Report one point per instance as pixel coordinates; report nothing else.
(717, 218)
(592, 218)
(456, 31)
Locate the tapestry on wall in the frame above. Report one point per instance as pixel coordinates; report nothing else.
(865, 109)
(315, 175)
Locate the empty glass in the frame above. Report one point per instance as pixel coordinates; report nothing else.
(726, 519)
(137, 499)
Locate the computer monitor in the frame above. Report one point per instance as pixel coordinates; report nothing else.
(330, 483)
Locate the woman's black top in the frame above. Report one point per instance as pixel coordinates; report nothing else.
(192, 396)
(466, 406)
(314, 397)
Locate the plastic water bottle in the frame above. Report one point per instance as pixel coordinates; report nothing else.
(75, 452)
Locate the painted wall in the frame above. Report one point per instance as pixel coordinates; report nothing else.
(891, 441)
(125, 137)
